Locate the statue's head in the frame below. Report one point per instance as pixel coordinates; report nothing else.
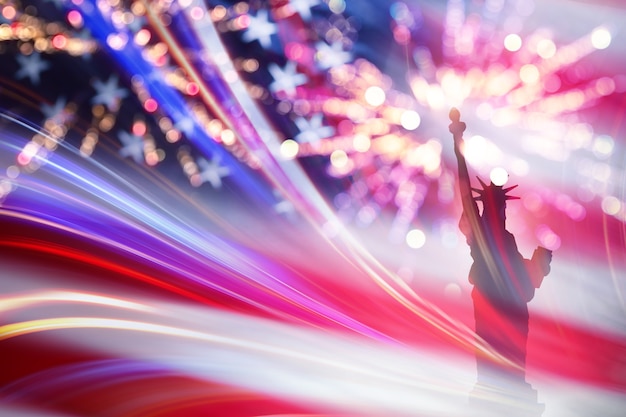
(494, 198)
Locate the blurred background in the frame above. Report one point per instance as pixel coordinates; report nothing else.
(251, 208)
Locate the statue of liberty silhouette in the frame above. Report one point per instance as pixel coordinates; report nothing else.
(503, 283)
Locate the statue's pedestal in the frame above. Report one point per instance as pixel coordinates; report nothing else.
(505, 398)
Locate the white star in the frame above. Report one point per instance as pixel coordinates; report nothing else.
(31, 66)
(84, 34)
(108, 93)
(283, 206)
(59, 4)
(133, 146)
(260, 29)
(212, 172)
(185, 124)
(137, 23)
(56, 111)
(331, 56)
(312, 130)
(303, 7)
(286, 79)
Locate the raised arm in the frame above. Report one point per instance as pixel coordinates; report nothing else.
(469, 205)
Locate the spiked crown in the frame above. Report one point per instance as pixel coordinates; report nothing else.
(493, 195)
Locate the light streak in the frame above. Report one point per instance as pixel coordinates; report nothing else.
(379, 132)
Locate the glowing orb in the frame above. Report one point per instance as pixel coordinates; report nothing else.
(512, 42)
(361, 143)
(611, 205)
(339, 158)
(289, 149)
(375, 96)
(410, 120)
(415, 238)
(529, 74)
(499, 176)
(546, 48)
(601, 38)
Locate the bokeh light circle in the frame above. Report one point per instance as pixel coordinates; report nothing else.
(499, 176)
(289, 149)
(375, 96)
(601, 38)
(415, 238)
(410, 120)
(513, 42)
